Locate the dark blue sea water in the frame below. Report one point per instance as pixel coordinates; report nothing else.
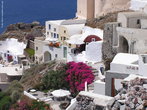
(36, 10)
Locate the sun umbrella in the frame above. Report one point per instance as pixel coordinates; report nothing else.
(60, 93)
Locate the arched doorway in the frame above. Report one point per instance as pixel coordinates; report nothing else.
(123, 45)
(47, 56)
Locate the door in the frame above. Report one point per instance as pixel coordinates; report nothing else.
(65, 52)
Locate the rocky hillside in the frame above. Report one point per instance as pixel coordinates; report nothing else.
(23, 31)
(109, 6)
(34, 75)
(100, 21)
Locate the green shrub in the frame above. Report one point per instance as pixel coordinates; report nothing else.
(54, 79)
(5, 103)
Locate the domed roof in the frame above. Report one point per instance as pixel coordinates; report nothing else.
(89, 38)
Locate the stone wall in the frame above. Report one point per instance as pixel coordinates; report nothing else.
(133, 95)
(84, 103)
(108, 51)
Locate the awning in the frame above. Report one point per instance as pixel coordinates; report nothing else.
(75, 39)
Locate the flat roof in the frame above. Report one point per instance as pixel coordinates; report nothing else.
(57, 22)
(125, 58)
(100, 100)
(133, 14)
(11, 71)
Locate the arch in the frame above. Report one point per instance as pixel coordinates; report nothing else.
(47, 56)
(91, 37)
(123, 45)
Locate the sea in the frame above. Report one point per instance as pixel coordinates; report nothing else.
(27, 11)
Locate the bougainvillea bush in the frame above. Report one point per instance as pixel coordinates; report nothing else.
(77, 75)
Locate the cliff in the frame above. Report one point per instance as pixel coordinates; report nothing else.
(23, 31)
(104, 7)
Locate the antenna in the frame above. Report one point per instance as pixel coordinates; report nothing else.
(2, 14)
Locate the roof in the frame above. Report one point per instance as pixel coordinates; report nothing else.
(75, 39)
(125, 58)
(79, 38)
(57, 22)
(89, 38)
(133, 14)
(132, 77)
(100, 100)
(11, 71)
(74, 28)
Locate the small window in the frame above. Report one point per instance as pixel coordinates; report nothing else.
(64, 38)
(93, 39)
(49, 26)
(36, 58)
(61, 38)
(36, 48)
(138, 21)
(55, 29)
(47, 33)
(144, 60)
(51, 34)
(54, 35)
(119, 24)
(56, 55)
(108, 28)
(5, 55)
(57, 35)
(64, 31)
(87, 43)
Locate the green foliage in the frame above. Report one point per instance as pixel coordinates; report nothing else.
(54, 80)
(36, 69)
(30, 51)
(15, 91)
(39, 106)
(5, 101)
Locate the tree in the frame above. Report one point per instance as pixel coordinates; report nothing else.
(54, 79)
(5, 101)
(77, 75)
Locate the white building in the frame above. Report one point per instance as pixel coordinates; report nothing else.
(88, 46)
(54, 45)
(11, 49)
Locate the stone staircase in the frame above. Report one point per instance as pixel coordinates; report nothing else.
(91, 86)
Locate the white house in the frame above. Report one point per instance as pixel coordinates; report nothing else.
(53, 46)
(11, 49)
(88, 46)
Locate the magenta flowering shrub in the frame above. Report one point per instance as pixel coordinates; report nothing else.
(77, 75)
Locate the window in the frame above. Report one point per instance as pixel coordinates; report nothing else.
(49, 26)
(138, 21)
(64, 38)
(119, 24)
(54, 35)
(144, 59)
(64, 31)
(57, 35)
(55, 29)
(51, 34)
(56, 55)
(36, 48)
(5, 55)
(61, 38)
(47, 33)
(87, 43)
(93, 39)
